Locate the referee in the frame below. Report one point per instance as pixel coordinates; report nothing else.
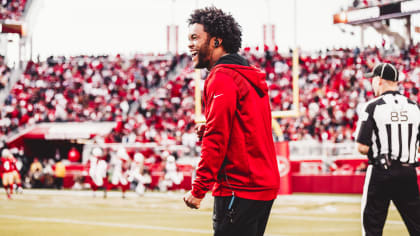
(389, 135)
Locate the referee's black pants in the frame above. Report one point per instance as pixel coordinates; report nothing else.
(399, 184)
(246, 217)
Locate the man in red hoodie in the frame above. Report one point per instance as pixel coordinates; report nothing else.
(238, 158)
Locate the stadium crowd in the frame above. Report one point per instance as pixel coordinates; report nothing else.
(12, 9)
(151, 105)
(137, 93)
(332, 88)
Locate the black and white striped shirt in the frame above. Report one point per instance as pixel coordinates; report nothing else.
(390, 125)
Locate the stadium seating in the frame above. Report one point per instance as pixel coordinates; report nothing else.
(108, 89)
(85, 88)
(12, 9)
(332, 88)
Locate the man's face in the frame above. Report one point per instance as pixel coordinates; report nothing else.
(375, 85)
(199, 46)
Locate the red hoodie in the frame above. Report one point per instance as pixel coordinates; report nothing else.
(237, 150)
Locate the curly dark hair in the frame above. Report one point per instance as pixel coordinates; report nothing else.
(219, 24)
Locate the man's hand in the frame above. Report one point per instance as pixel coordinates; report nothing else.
(191, 201)
(199, 130)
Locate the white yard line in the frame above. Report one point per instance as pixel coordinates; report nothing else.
(195, 212)
(319, 199)
(109, 224)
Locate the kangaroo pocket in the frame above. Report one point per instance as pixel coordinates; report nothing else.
(263, 171)
(237, 166)
(261, 164)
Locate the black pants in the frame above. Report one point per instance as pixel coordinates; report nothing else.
(59, 182)
(246, 217)
(398, 184)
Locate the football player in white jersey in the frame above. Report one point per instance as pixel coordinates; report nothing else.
(97, 170)
(136, 173)
(120, 162)
(172, 176)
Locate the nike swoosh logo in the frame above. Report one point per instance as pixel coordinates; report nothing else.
(215, 96)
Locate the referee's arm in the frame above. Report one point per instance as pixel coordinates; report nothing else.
(418, 136)
(364, 149)
(364, 137)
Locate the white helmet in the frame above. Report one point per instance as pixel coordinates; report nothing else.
(122, 154)
(138, 157)
(170, 159)
(6, 153)
(97, 152)
(165, 154)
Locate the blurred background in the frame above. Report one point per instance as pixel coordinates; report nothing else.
(100, 95)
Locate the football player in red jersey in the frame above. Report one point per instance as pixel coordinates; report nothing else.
(15, 172)
(7, 172)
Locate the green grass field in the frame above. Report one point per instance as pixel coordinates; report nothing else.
(52, 213)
